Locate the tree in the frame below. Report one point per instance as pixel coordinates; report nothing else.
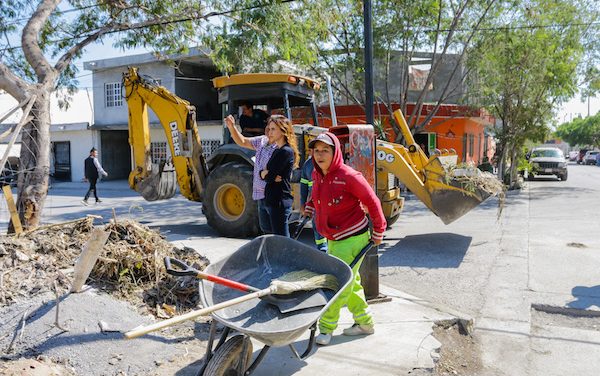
(327, 36)
(527, 68)
(581, 131)
(51, 38)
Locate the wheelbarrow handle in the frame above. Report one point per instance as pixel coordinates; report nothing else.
(362, 252)
(139, 331)
(186, 270)
(300, 227)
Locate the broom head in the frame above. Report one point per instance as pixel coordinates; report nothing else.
(303, 280)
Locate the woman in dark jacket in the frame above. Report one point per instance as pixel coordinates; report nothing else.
(278, 192)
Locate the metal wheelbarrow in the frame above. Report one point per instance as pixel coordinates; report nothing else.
(258, 263)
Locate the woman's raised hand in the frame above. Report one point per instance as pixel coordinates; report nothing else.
(229, 121)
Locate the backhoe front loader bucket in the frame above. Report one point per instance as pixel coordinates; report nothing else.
(451, 196)
(447, 191)
(161, 184)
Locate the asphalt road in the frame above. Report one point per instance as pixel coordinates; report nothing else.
(529, 279)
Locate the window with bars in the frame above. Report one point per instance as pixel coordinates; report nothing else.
(158, 152)
(209, 146)
(112, 94)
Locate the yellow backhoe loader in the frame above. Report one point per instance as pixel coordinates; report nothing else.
(223, 182)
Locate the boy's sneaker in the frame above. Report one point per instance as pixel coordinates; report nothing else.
(84, 202)
(98, 201)
(358, 330)
(323, 339)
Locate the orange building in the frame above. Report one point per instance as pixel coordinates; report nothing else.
(453, 127)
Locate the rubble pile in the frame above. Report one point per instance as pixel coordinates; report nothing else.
(472, 179)
(130, 265)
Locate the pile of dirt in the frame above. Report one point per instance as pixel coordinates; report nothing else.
(459, 352)
(130, 266)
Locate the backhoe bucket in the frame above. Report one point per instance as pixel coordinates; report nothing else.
(161, 184)
(451, 198)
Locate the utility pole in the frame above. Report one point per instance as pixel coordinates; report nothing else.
(368, 34)
(369, 269)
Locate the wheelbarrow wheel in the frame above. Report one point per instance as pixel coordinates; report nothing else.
(226, 359)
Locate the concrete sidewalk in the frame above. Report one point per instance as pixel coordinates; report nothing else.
(402, 342)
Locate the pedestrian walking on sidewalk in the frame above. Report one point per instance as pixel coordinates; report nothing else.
(306, 184)
(338, 195)
(93, 169)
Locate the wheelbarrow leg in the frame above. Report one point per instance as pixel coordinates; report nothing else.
(211, 339)
(257, 361)
(309, 347)
(242, 365)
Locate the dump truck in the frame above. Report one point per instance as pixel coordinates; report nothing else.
(223, 180)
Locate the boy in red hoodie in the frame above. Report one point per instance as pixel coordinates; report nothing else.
(337, 195)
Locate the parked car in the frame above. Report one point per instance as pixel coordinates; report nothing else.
(573, 155)
(548, 161)
(581, 155)
(590, 157)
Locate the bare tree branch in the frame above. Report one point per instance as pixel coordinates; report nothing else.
(12, 84)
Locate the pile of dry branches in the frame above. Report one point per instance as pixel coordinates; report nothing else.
(130, 265)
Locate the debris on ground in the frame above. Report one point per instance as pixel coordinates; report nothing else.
(459, 354)
(475, 181)
(129, 267)
(41, 366)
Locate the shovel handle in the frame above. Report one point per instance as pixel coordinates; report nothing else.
(140, 331)
(362, 252)
(184, 269)
(300, 227)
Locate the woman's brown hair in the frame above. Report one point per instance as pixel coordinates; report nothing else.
(286, 127)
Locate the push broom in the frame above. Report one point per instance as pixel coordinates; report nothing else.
(302, 280)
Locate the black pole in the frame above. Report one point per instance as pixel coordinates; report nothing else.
(368, 31)
(369, 270)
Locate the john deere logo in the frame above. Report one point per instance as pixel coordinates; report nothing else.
(175, 138)
(383, 156)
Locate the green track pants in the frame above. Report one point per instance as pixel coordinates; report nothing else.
(353, 296)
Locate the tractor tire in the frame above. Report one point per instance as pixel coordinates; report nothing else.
(226, 359)
(227, 202)
(390, 221)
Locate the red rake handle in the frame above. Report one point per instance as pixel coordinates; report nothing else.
(184, 269)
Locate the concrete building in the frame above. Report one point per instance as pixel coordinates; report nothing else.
(71, 135)
(187, 76)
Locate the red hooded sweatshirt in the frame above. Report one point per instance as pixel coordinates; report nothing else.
(336, 200)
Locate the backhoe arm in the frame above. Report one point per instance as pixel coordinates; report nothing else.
(178, 120)
(430, 179)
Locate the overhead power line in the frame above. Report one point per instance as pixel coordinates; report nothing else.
(158, 23)
(25, 19)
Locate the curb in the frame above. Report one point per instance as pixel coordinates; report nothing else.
(567, 311)
(464, 321)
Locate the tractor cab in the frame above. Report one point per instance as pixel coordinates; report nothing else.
(275, 93)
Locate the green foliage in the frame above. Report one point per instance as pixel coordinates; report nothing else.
(256, 38)
(525, 70)
(63, 34)
(581, 131)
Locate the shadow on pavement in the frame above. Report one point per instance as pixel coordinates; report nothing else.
(585, 297)
(438, 250)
